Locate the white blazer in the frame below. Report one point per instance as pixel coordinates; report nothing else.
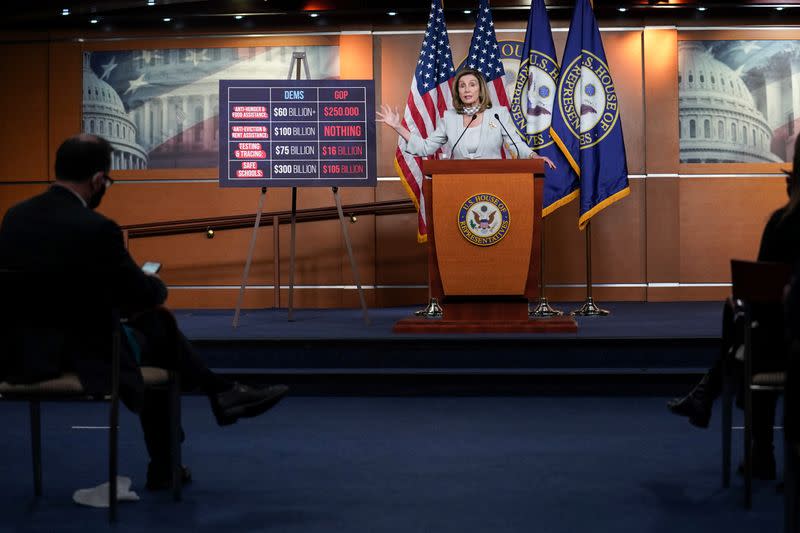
(492, 137)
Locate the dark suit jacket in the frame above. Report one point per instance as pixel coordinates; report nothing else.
(780, 243)
(79, 269)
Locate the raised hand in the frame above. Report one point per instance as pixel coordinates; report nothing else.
(392, 118)
(389, 116)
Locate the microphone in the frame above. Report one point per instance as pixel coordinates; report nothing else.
(510, 138)
(453, 150)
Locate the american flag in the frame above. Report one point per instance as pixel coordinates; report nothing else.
(484, 56)
(428, 99)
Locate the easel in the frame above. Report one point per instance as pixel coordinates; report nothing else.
(298, 59)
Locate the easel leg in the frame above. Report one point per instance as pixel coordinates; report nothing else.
(276, 254)
(353, 265)
(249, 261)
(292, 242)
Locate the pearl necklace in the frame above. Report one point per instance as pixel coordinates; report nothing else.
(471, 110)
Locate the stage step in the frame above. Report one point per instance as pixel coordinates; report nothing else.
(637, 339)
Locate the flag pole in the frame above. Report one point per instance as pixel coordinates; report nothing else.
(589, 308)
(432, 309)
(543, 308)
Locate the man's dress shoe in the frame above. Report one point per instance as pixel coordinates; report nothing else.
(243, 401)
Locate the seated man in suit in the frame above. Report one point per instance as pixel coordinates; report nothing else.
(58, 233)
(780, 243)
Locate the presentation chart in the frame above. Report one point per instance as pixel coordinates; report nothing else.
(297, 133)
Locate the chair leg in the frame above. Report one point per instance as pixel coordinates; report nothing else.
(175, 435)
(748, 446)
(113, 442)
(727, 425)
(36, 445)
(789, 490)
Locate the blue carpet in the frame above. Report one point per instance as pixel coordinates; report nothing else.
(387, 464)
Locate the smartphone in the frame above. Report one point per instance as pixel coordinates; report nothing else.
(151, 267)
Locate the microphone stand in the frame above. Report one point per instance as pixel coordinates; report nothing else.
(471, 120)
(510, 138)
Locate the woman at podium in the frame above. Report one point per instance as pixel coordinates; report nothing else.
(473, 128)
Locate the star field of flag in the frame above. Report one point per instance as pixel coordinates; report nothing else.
(484, 52)
(435, 64)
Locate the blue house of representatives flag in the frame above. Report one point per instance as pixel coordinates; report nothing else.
(532, 107)
(587, 126)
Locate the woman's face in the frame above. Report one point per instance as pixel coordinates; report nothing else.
(469, 90)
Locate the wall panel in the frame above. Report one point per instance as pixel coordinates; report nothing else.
(721, 219)
(65, 95)
(618, 240)
(660, 99)
(565, 247)
(24, 108)
(662, 205)
(570, 298)
(624, 54)
(688, 294)
(257, 298)
(400, 260)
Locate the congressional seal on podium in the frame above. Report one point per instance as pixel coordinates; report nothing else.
(483, 219)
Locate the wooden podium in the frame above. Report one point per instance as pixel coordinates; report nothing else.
(484, 271)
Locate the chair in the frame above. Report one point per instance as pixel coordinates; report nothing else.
(791, 475)
(791, 399)
(760, 284)
(19, 307)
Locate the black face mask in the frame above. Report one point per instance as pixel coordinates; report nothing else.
(94, 200)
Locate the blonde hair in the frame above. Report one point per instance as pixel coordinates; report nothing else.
(483, 93)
